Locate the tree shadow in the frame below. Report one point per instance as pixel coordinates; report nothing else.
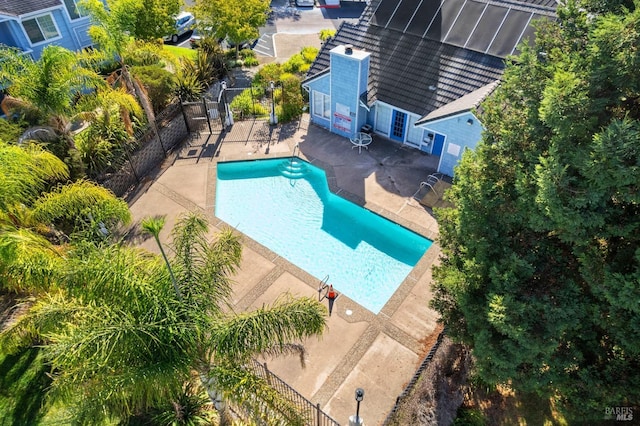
(24, 381)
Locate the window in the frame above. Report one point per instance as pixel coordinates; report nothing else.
(72, 8)
(321, 105)
(40, 28)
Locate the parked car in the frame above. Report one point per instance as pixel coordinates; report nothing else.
(305, 3)
(185, 22)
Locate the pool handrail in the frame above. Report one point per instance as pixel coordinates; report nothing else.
(323, 284)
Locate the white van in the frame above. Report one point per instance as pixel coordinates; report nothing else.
(185, 22)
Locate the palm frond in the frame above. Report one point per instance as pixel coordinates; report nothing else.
(203, 268)
(82, 202)
(25, 173)
(28, 261)
(270, 328)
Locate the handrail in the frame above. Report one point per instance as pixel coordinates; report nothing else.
(428, 183)
(293, 154)
(313, 414)
(322, 286)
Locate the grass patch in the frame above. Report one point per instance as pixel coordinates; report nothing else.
(23, 385)
(181, 52)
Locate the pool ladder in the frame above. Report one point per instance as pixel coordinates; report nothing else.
(323, 284)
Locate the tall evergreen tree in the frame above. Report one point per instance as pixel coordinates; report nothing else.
(541, 258)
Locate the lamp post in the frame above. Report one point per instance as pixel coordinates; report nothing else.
(274, 118)
(357, 421)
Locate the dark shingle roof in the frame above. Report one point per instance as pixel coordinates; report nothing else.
(419, 69)
(22, 7)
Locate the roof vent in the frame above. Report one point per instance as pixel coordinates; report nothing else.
(432, 87)
(348, 49)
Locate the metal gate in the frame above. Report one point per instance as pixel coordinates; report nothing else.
(204, 116)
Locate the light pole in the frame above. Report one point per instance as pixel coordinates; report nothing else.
(357, 421)
(274, 118)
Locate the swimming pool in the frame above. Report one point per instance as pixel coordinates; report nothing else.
(286, 205)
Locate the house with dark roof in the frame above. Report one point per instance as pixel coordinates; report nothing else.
(414, 71)
(31, 25)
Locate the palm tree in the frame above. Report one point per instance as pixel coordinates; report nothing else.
(36, 221)
(110, 31)
(49, 86)
(125, 337)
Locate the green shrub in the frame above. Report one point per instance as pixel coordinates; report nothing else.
(10, 131)
(290, 98)
(294, 64)
(327, 34)
(100, 145)
(140, 53)
(269, 72)
(212, 58)
(251, 62)
(159, 83)
(244, 104)
(309, 54)
(258, 91)
(247, 53)
(188, 86)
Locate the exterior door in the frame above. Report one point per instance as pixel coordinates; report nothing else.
(438, 144)
(398, 121)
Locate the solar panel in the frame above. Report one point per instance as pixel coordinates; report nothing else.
(444, 19)
(529, 34)
(486, 29)
(424, 14)
(466, 22)
(403, 14)
(509, 33)
(383, 13)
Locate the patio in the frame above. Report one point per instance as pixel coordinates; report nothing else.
(378, 353)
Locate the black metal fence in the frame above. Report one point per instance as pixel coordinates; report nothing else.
(311, 412)
(152, 144)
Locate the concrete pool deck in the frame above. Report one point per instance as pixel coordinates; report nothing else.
(378, 353)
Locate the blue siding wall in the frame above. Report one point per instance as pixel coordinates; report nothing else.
(67, 39)
(345, 92)
(459, 136)
(321, 84)
(73, 34)
(6, 34)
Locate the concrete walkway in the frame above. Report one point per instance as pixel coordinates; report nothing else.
(378, 353)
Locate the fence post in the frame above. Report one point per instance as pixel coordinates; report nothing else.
(206, 113)
(318, 414)
(268, 374)
(133, 169)
(160, 139)
(184, 117)
(222, 113)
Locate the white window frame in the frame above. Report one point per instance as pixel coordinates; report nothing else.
(325, 101)
(80, 14)
(35, 19)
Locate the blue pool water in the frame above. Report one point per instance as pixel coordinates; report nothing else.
(286, 206)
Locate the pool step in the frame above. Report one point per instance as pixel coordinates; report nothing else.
(293, 168)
